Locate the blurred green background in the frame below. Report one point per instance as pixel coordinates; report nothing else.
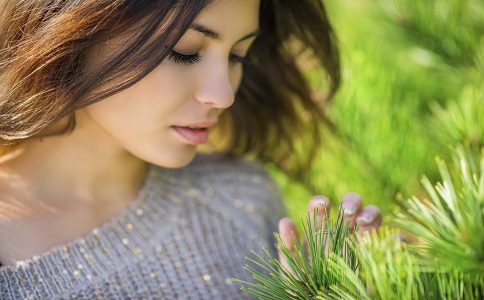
(413, 86)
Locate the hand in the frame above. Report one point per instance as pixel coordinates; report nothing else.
(369, 218)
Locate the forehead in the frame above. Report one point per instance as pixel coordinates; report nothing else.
(231, 16)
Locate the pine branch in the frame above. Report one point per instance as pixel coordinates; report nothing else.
(447, 263)
(308, 275)
(451, 223)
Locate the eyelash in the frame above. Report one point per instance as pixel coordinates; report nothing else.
(240, 59)
(189, 59)
(186, 59)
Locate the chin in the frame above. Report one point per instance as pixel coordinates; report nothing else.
(175, 161)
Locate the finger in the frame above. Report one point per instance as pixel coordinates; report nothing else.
(369, 219)
(289, 235)
(352, 205)
(321, 204)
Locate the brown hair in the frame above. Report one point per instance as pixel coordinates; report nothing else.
(43, 74)
(275, 116)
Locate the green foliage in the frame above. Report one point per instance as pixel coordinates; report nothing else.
(451, 28)
(462, 121)
(451, 222)
(412, 87)
(446, 263)
(413, 90)
(390, 270)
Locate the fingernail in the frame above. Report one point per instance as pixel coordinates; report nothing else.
(348, 208)
(320, 200)
(365, 217)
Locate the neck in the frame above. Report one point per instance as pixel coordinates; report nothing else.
(75, 167)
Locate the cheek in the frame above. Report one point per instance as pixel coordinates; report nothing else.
(125, 112)
(111, 114)
(157, 95)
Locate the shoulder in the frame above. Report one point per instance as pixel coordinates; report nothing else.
(236, 195)
(218, 168)
(235, 175)
(228, 183)
(223, 167)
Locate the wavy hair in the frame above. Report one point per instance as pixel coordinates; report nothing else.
(44, 78)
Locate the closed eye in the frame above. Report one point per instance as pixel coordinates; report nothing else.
(240, 59)
(187, 59)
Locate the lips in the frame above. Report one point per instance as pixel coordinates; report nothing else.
(194, 133)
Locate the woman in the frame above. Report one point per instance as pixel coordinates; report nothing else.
(103, 107)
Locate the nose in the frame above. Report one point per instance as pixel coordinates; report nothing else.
(215, 88)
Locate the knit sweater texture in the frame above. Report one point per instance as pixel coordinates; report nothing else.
(185, 236)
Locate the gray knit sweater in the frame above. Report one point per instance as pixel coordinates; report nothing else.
(185, 236)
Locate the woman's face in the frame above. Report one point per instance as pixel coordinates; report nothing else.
(162, 118)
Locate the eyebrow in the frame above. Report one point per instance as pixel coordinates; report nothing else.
(215, 36)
